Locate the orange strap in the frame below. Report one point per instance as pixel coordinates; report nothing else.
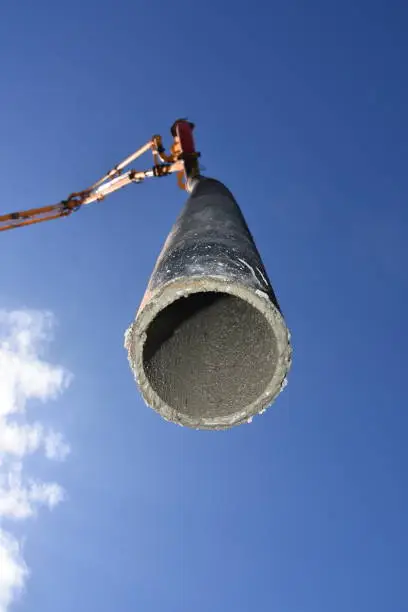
(112, 181)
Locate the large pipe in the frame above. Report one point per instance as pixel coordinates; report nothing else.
(209, 347)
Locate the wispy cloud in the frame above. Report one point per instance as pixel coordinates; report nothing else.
(24, 375)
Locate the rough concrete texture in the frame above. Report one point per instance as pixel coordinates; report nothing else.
(209, 354)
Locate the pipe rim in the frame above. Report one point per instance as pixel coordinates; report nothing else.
(164, 296)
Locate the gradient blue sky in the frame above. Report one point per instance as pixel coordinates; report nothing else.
(301, 109)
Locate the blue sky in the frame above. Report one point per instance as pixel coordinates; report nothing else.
(301, 109)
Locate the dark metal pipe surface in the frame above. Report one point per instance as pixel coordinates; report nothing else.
(209, 347)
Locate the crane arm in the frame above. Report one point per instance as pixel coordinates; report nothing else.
(182, 160)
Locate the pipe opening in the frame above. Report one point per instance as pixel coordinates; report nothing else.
(209, 355)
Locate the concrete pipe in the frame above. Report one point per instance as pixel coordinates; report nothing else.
(209, 347)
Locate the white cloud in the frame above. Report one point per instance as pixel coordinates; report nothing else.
(14, 571)
(24, 375)
(20, 498)
(55, 446)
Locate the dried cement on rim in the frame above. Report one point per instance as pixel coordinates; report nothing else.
(156, 302)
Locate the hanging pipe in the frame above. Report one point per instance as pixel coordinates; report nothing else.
(209, 347)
